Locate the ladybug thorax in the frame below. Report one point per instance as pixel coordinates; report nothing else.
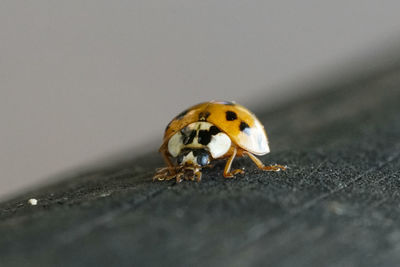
(194, 143)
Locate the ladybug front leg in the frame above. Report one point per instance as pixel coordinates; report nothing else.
(227, 170)
(163, 174)
(197, 174)
(166, 173)
(261, 165)
(171, 167)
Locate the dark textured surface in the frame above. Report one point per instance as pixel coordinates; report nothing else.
(337, 205)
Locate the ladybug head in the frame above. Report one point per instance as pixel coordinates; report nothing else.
(194, 157)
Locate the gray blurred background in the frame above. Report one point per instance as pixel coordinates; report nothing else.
(82, 81)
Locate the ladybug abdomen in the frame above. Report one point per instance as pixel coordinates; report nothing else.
(198, 136)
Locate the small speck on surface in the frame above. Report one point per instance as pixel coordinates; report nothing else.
(33, 201)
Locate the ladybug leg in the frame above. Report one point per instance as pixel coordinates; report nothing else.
(163, 174)
(197, 174)
(227, 170)
(159, 176)
(167, 160)
(179, 177)
(261, 165)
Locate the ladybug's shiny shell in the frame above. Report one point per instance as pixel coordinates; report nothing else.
(242, 126)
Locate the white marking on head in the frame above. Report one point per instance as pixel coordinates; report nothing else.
(219, 145)
(175, 144)
(189, 159)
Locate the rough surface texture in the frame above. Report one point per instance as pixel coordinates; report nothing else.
(337, 205)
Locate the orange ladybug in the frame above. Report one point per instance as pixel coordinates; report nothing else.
(212, 130)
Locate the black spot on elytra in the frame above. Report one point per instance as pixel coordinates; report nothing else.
(181, 115)
(231, 116)
(188, 138)
(244, 127)
(228, 103)
(203, 116)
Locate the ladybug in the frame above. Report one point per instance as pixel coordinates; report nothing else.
(208, 131)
